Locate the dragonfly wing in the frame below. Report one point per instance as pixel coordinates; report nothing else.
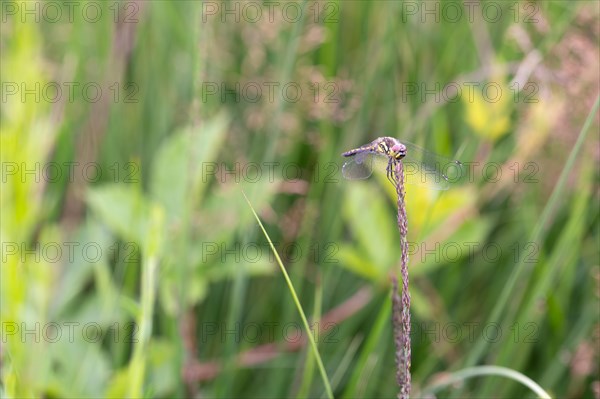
(424, 168)
(358, 167)
(418, 174)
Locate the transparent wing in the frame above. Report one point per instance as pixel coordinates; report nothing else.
(424, 168)
(358, 166)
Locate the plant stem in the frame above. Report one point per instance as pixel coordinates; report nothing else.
(401, 305)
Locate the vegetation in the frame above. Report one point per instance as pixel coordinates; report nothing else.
(133, 266)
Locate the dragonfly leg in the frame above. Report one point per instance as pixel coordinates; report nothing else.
(390, 172)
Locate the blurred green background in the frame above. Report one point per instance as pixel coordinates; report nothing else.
(132, 266)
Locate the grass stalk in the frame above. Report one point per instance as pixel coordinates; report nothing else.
(401, 304)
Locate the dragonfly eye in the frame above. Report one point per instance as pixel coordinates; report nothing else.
(399, 151)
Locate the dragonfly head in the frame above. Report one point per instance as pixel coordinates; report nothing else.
(398, 151)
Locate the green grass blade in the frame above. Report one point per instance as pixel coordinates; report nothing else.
(464, 374)
(309, 366)
(311, 338)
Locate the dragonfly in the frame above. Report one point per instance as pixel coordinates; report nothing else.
(421, 167)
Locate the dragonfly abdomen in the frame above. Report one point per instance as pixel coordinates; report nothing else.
(354, 151)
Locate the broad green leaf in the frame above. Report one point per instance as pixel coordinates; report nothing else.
(488, 111)
(430, 254)
(373, 223)
(163, 372)
(123, 208)
(91, 239)
(355, 261)
(82, 368)
(184, 165)
(118, 386)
